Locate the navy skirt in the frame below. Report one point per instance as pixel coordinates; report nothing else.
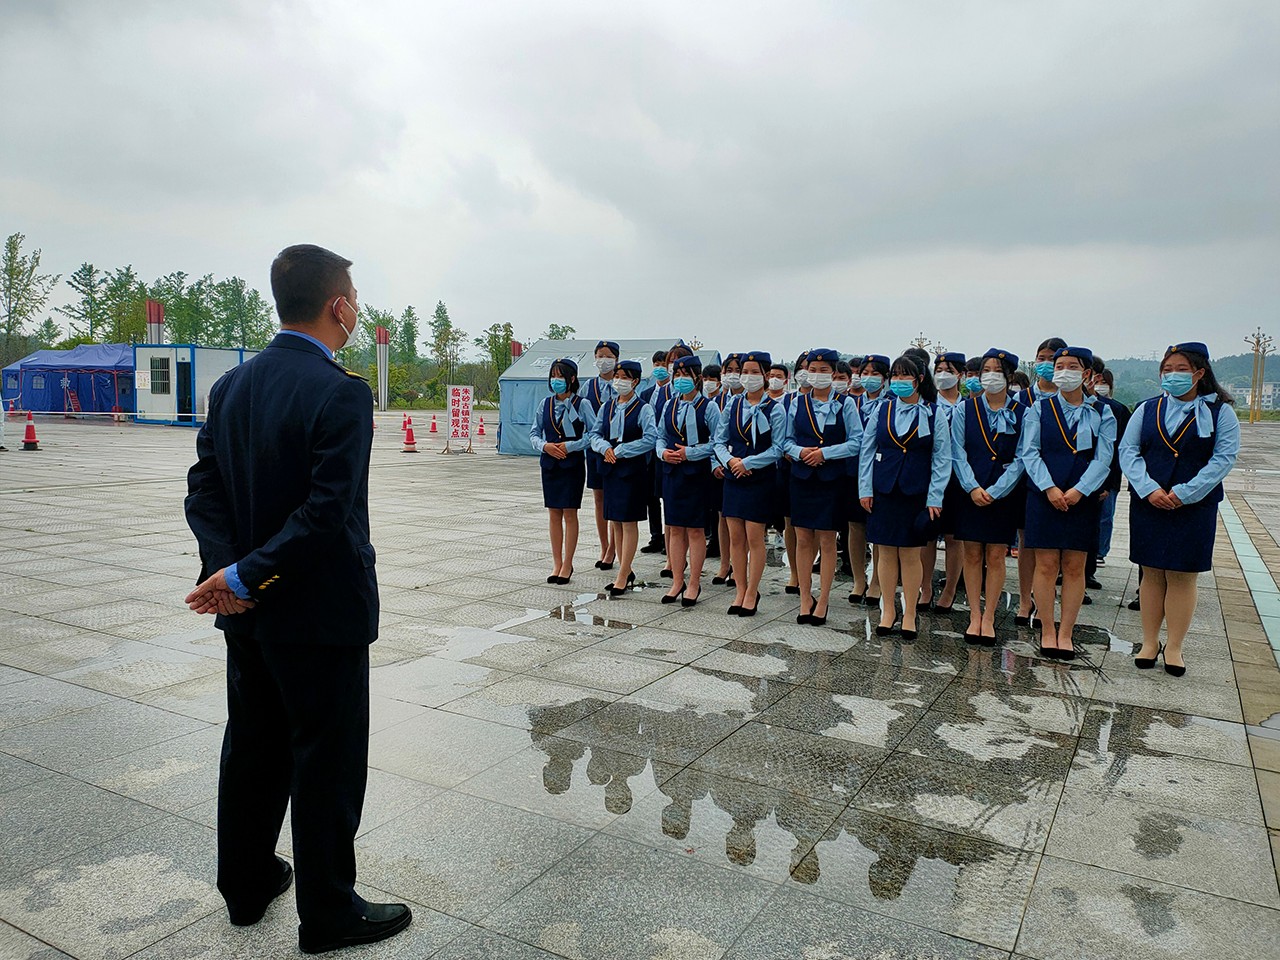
(853, 512)
(685, 496)
(627, 495)
(1180, 540)
(818, 504)
(952, 501)
(751, 498)
(895, 519)
(1050, 529)
(998, 523)
(562, 484)
(784, 489)
(595, 479)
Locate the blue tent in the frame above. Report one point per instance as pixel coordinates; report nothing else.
(100, 374)
(523, 385)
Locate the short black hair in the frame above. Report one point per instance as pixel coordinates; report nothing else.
(973, 365)
(711, 372)
(660, 356)
(843, 366)
(1098, 364)
(779, 365)
(1053, 343)
(303, 279)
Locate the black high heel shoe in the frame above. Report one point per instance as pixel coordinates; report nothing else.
(794, 591)
(604, 564)
(733, 611)
(1067, 654)
(805, 618)
(857, 598)
(719, 581)
(670, 598)
(691, 601)
(553, 579)
(972, 639)
(619, 591)
(750, 611)
(883, 631)
(817, 621)
(1170, 669)
(563, 580)
(666, 574)
(1145, 663)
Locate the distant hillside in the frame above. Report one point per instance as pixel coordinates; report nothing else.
(1137, 379)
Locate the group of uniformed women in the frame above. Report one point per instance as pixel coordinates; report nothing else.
(894, 454)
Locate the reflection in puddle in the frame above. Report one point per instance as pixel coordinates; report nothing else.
(574, 612)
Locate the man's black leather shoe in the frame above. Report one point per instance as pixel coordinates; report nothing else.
(380, 921)
(248, 916)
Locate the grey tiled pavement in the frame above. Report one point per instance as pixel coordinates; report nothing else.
(556, 774)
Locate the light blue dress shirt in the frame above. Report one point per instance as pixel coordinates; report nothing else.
(564, 413)
(687, 416)
(826, 412)
(753, 418)
(632, 448)
(998, 421)
(1226, 447)
(907, 417)
(306, 336)
(606, 389)
(1089, 420)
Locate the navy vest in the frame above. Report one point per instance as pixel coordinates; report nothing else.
(673, 436)
(1174, 458)
(553, 431)
(805, 421)
(1058, 449)
(989, 453)
(904, 463)
(740, 443)
(631, 430)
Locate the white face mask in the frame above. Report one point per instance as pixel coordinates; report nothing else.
(1102, 390)
(946, 381)
(776, 383)
(623, 386)
(710, 388)
(820, 381)
(606, 364)
(802, 377)
(993, 381)
(351, 334)
(752, 382)
(732, 380)
(1068, 379)
(840, 386)
(1015, 389)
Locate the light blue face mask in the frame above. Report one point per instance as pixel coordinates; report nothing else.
(558, 385)
(902, 388)
(1044, 369)
(973, 384)
(872, 382)
(683, 385)
(660, 374)
(1177, 384)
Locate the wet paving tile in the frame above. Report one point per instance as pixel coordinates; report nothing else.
(878, 721)
(431, 681)
(16, 945)
(975, 802)
(1038, 711)
(1014, 751)
(671, 646)
(1187, 849)
(107, 901)
(774, 661)
(796, 925)
(16, 773)
(879, 678)
(614, 673)
(531, 703)
(616, 900)
(1082, 911)
(653, 729)
(42, 698)
(443, 748)
(491, 946)
(822, 768)
(204, 698)
(1165, 731)
(1157, 690)
(934, 878)
(755, 830)
(172, 775)
(463, 855)
(713, 691)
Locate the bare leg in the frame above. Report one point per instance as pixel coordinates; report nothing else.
(911, 572)
(1046, 589)
(556, 521)
(805, 550)
(887, 573)
(954, 565)
(697, 557)
(570, 542)
(626, 536)
(1027, 576)
(928, 566)
(827, 543)
(738, 552)
(973, 584)
(677, 545)
(726, 555)
(1151, 593)
(1072, 594)
(858, 556)
(608, 548)
(995, 585)
(1180, 597)
(789, 538)
(755, 562)
(874, 590)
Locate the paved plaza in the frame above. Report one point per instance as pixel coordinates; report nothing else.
(558, 774)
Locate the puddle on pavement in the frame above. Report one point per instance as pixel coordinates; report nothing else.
(574, 612)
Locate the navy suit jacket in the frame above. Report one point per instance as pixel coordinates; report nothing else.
(281, 488)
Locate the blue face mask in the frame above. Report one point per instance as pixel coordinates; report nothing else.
(1044, 369)
(558, 385)
(1177, 384)
(903, 388)
(660, 374)
(872, 383)
(683, 385)
(973, 384)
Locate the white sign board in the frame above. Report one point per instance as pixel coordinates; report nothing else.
(460, 413)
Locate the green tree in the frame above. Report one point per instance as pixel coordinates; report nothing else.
(446, 342)
(24, 290)
(242, 318)
(87, 314)
(496, 344)
(47, 334)
(125, 303)
(404, 347)
(557, 331)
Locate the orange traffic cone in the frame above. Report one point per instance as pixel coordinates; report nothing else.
(29, 441)
(433, 423)
(410, 445)
(13, 414)
(481, 427)
(404, 422)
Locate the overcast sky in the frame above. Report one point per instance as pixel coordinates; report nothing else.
(756, 175)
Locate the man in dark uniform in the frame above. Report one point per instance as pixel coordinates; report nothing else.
(279, 503)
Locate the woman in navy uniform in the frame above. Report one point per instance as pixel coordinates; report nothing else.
(779, 377)
(685, 433)
(1176, 452)
(823, 437)
(1066, 448)
(947, 372)
(985, 429)
(873, 382)
(624, 435)
(597, 391)
(844, 382)
(561, 432)
(730, 387)
(902, 476)
(748, 447)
